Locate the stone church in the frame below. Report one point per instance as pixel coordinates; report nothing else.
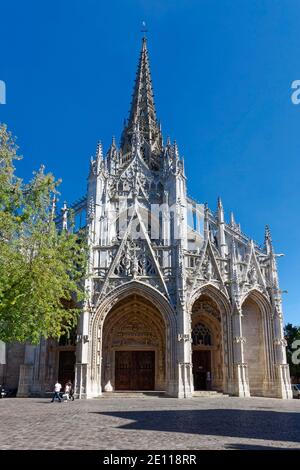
(179, 300)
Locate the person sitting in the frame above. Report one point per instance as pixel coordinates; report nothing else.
(67, 390)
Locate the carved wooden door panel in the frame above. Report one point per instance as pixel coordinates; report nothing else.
(145, 365)
(123, 370)
(134, 370)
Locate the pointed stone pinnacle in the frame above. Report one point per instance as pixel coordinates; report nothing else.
(268, 233)
(99, 151)
(176, 151)
(143, 112)
(268, 240)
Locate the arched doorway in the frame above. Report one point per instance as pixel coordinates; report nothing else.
(134, 346)
(255, 345)
(67, 357)
(207, 354)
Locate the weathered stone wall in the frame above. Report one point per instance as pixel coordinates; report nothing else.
(14, 358)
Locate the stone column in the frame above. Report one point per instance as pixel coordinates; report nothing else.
(185, 385)
(81, 368)
(185, 377)
(283, 386)
(241, 382)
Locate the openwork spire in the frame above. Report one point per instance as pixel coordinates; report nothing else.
(143, 115)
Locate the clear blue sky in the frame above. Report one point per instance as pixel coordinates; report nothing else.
(221, 71)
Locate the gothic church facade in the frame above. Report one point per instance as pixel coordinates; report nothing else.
(178, 300)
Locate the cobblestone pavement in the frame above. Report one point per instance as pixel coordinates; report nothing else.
(150, 423)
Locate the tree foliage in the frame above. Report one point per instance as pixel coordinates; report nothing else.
(41, 268)
(292, 333)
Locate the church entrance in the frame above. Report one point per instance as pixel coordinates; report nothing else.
(134, 370)
(66, 369)
(207, 345)
(202, 370)
(134, 347)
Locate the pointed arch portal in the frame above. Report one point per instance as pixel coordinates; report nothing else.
(207, 344)
(134, 346)
(255, 331)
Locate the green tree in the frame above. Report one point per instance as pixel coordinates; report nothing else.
(292, 333)
(41, 268)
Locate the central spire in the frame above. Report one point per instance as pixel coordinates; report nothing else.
(143, 115)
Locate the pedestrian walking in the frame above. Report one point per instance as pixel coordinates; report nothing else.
(56, 394)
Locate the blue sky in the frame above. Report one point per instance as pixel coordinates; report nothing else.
(222, 73)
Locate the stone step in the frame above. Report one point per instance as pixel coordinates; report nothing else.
(158, 394)
(135, 394)
(209, 394)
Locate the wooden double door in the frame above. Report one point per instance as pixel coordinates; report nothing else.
(134, 370)
(202, 370)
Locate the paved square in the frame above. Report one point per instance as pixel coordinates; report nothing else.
(150, 423)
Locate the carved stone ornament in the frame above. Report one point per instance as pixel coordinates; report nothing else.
(136, 260)
(280, 342)
(184, 337)
(252, 275)
(239, 339)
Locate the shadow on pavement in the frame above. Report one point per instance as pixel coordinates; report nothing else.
(238, 446)
(251, 424)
